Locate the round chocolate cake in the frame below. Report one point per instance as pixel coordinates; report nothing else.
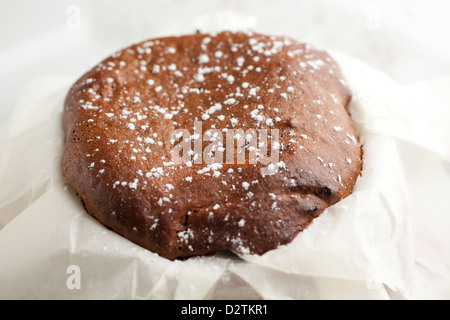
(195, 144)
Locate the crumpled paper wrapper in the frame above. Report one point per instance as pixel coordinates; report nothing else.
(390, 239)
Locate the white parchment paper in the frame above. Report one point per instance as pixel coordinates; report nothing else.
(388, 240)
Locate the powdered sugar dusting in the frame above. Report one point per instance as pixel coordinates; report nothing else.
(231, 86)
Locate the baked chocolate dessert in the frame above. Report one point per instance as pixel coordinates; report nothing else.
(200, 143)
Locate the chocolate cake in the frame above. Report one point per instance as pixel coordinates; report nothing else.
(200, 143)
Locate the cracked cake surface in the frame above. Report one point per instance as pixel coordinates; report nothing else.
(272, 144)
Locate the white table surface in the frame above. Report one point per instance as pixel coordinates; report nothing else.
(408, 40)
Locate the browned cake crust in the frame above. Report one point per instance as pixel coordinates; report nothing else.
(122, 120)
